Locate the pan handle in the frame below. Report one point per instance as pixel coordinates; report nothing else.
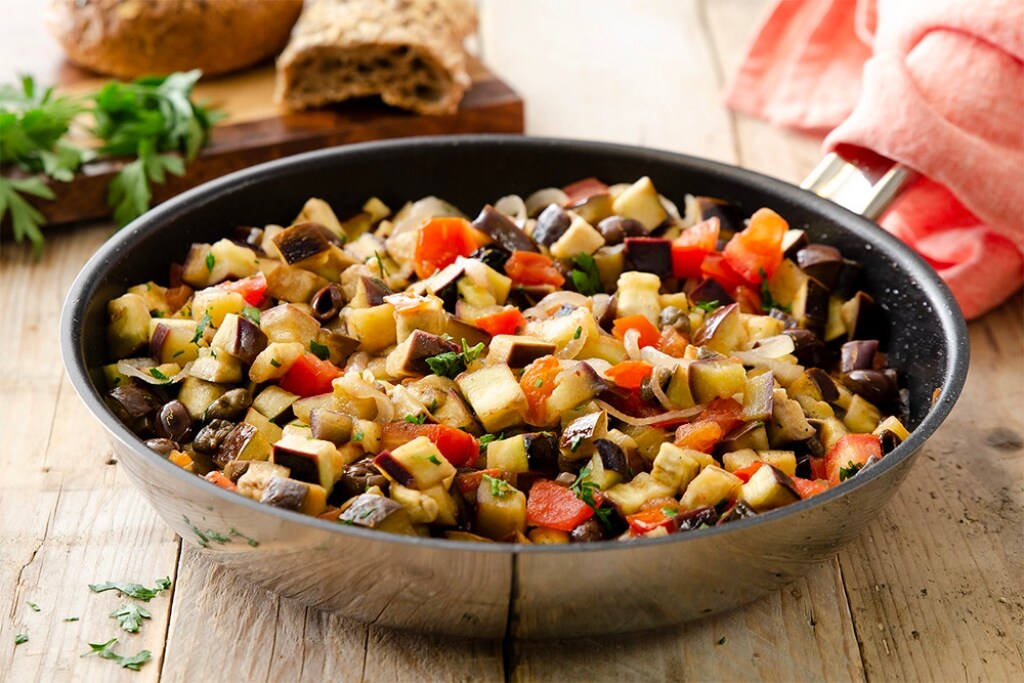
(866, 184)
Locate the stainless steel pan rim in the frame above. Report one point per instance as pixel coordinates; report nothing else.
(953, 328)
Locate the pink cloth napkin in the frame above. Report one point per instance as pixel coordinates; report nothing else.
(935, 84)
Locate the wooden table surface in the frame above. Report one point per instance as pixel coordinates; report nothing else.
(931, 591)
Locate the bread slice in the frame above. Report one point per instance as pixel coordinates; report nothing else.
(410, 52)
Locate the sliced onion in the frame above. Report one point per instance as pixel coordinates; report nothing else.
(657, 358)
(670, 207)
(541, 199)
(601, 303)
(631, 340)
(547, 306)
(693, 213)
(601, 367)
(357, 362)
(403, 301)
(357, 387)
(411, 216)
(513, 206)
(783, 371)
(774, 347)
(139, 369)
(670, 416)
(475, 270)
(655, 385)
(572, 349)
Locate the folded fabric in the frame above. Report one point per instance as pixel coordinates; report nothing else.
(935, 84)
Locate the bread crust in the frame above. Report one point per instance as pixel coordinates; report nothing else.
(410, 52)
(131, 38)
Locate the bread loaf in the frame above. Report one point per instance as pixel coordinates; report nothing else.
(410, 52)
(130, 38)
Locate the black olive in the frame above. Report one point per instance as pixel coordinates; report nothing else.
(674, 317)
(687, 521)
(231, 406)
(173, 421)
(493, 256)
(587, 532)
(359, 476)
(551, 224)
(210, 437)
(327, 302)
(162, 446)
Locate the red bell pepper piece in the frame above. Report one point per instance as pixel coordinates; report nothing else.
(556, 507)
(217, 477)
(630, 374)
(310, 376)
(653, 517)
(468, 482)
(537, 382)
(690, 248)
(251, 288)
(505, 322)
(727, 412)
(700, 436)
(649, 335)
(849, 454)
(442, 240)
(716, 268)
(673, 342)
(745, 473)
(530, 268)
(457, 447)
(756, 252)
(809, 487)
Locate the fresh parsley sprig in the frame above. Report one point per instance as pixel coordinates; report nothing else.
(133, 590)
(584, 275)
(103, 650)
(450, 364)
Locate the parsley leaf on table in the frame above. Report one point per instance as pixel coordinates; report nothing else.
(132, 590)
(130, 617)
(103, 650)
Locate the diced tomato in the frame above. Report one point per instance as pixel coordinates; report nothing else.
(630, 374)
(457, 447)
(505, 322)
(673, 342)
(531, 268)
(809, 487)
(468, 482)
(716, 268)
(653, 517)
(727, 412)
(649, 334)
(251, 288)
(218, 478)
(849, 454)
(745, 473)
(700, 436)
(584, 189)
(310, 376)
(758, 248)
(537, 382)
(818, 469)
(556, 507)
(690, 248)
(440, 241)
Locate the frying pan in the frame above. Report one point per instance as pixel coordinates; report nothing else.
(493, 590)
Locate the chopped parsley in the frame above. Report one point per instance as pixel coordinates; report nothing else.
(319, 350)
(768, 302)
(34, 607)
(488, 438)
(433, 459)
(578, 333)
(133, 590)
(499, 487)
(539, 383)
(275, 362)
(201, 327)
(851, 469)
(211, 261)
(252, 314)
(103, 650)
(450, 364)
(159, 375)
(584, 275)
(707, 306)
(669, 512)
(20, 638)
(416, 419)
(70, 619)
(584, 490)
(380, 264)
(433, 405)
(130, 617)
(178, 353)
(574, 445)
(721, 641)
(357, 436)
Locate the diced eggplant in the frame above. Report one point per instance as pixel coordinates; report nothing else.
(493, 256)
(860, 315)
(710, 487)
(417, 464)
(502, 230)
(737, 512)
(329, 301)
(649, 255)
(410, 357)
(284, 493)
(722, 331)
(500, 509)
(695, 519)
(304, 240)
(240, 338)
(711, 379)
(788, 423)
(256, 477)
(877, 386)
(640, 202)
(849, 278)
(793, 241)
(615, 229)
(583, 431)
(508, 455)
(757, 397)
(710, 291)
(312, 460)
(825, 384)
(134, 406)
(675, 467)
(460, 329)
(580, 238)
(750, 435)
(769, 488)
(729, 215)
(810, 305)
(573, 386)
(858, 355)
(517, 351)
(165, 446)
(330, 425)
(588, 532)
(170, 340)
(632, 495)
(594, 208)
(551, 224)
(197, 395)
(495, 396)
(788, 321)
(173, 421)
(128, 331)
(808, 348)
(294, 285)
(822, 262)
(377, 512)
(541, 451)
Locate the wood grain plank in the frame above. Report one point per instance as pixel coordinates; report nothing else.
(934, 585)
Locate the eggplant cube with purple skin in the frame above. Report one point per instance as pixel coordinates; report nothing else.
(495, 396)
(240, 338)
(312, 460)
(417, 464)
(769, 488)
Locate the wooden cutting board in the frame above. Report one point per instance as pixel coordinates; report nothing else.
(255, 130)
